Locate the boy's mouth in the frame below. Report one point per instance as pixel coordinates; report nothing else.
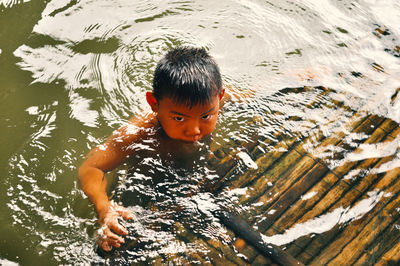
(191, 140)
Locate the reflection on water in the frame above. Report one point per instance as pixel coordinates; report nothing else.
(82, 69)
(325, 222)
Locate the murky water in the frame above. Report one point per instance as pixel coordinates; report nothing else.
(73, 71)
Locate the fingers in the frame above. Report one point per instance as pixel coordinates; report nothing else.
(111, 221)
(124, 212)
(111, 231)
(104, 245)
(107, 239)
(108, 244)
(113, 224)
(117, 228)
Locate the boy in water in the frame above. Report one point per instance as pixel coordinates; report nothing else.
(186, 98)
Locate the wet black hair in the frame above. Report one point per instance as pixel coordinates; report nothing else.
(187, 75)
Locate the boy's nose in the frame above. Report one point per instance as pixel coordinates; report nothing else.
(193, 129)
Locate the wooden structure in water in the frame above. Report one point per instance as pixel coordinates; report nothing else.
(353, 213)
(292, 189)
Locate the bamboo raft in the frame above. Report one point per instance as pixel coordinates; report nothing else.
(291, 187)
(283, 177)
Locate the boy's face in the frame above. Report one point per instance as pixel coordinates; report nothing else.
(183, 123)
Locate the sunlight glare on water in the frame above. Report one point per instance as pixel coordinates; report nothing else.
(83, 70)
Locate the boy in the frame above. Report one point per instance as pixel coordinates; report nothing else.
(186, 98)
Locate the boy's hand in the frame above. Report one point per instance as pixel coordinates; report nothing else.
(109, 234)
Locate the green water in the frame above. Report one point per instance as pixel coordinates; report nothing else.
(71, 72)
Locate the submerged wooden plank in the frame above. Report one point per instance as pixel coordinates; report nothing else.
(334, 138)
(299, 170)
(213, 251)
(279, 146)
(268, 164)
(280, 180)
(365, 126)
(344, 169)
(322, 209)
(348, 164)
(353, 229)
(259, 187)
(355, 121)
(342, 187)
(327, 180)
(371, 140)
(263, 163)
(382, 243)
(365, 237)
(341, 195)
(292, 195)
(262, 261)
(306, 202)
(391, 257)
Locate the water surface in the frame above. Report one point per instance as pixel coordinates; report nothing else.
(74, 71)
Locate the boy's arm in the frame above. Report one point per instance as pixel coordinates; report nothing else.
(93, 182)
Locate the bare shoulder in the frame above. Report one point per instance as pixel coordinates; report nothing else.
(119, 145)
(138, 127)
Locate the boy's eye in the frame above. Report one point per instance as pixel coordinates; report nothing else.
(178, 118)
(205, 117)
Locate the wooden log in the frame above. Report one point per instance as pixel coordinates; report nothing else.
(250, 252)
(243, 230)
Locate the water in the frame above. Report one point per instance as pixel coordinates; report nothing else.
(74, 71)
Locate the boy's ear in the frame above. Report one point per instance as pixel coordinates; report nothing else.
(152, 101)
(222, 93)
